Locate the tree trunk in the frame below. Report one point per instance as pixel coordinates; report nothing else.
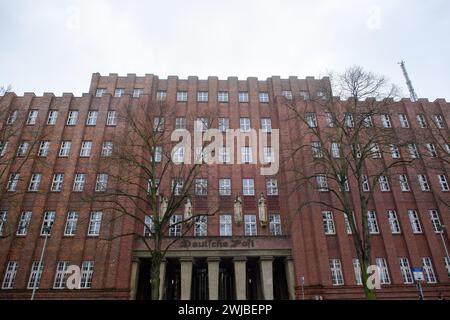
(155, 278)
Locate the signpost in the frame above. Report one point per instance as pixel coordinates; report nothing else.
(419, 277)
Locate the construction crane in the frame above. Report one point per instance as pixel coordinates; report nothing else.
(412, 93)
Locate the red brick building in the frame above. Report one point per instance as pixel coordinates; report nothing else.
(246, 261)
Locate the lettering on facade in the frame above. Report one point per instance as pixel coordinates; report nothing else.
(217, 244)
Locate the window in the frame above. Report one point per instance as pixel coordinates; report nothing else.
(439, 121)
(394, 224)
(202, 124)
(414, 221)
(226, 225)
(447, 265)
(375, 151)
(225, 154)
(150, 186)
(263, 97)
(92, 118)
(405, 270)
(356, 150)
(78, 182)
(304, 94)
(384, 184)
(3, 147)
(266, 125)
(60, 275)
(201, 187)
(384, 272)
(35, 275)
(395, 152)
(222, 96)
(71, 223)
(431, 150)
(111, 119)
(201, 226)
(12, 117)
(435, 221)
(85, 150)
(161, 95)
(23, 149)
(337, 278)
(244, 124)
(423, 181)
(157, 153)
(137, 93)
(347, 222)
(372, 222)
(243, 96)
(178, 155)
(87, 271)
(101, 184)
(10, 275)
(47, 223)
(177, 186)
(246, 155)
(330, 120)
(175, 226)
(35, 181)
(311, 119)
(421, 121)
(404, 184)
(225, 187)
(349, 122)
(32, 117)
(43, 148)
(118, 93)
(365, 183)
(180, 123)
(107, 148)
(149, 227)
(272, 187)
(357, 270)
(275, 224)
(443, 183)
(328, 223)
(447, 147)
(72, 118)
(100, 92)
(248, 186)
(158, 124)
(95, 222)
(268, 155)
(52, 117)
(224, 124)
(335, 150)
(343, 180)
(316, 148)
(202, 96)
(250, 225)
(64, 150)
(404, 123)
(413, 151)
(367, 121)
(182, 96)
(13, 181)
(3, 216)
(428, 270)
(321, 94)
(322, 183)
(386, 121)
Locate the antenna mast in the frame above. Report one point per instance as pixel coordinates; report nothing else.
(412, 93)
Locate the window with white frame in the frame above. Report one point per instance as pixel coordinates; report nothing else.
(447, 265)
(137, 93)
(443, 182)
(161, 95)
(343, 180)
(248, 187)
(13, 181)
(202, 96)
(395, 152)
(357, 270)
(72, 118)
(337, 277)
(263, 97)
(439, 121)
(405, 270)
(64, 150)
(87, 272)
(250, 225)
(226, 225)
(372, 222)
(157, 153)
(266, 125)
(52, 117)
(384, 184)
(10, 275)
(347, 222)
(85, 150)
(413, 151)
(23, 149)
(311, 119)
(304, 94)
(243, 96)
(404, 184)
(95, 223)
(71, 223)
(365, 183)
(149, 227)
(225, 187)
(225, 154)
(322, 183)
(12, 117)
(178, 155)
(224, 124)
(35, 275)
(32, 117)
(201, 226)
(111, 119)
(404, 123)
(375, 151)
(348, 118)
(182, 96)
(316, 148)
(3, 217)
(386, 121)
(268, 155)
(180, 123)
(222, 96)
(78, 182)
(330, 120)
(100, 92)
(431, 149)
(47, 223)
(3, 148)
(428, 270)
(35, 182)
(60, 275)
(101, 183)
(287, 94)
(384, 271)
(177, 186)
(328, 223)
(275, 225)
(394, 224)
(367, 121)
(202, 124)
(421, 121)
(118, 93)
(272, 187)
(44, 146)
(423, 181)
(414, 221)
(244, 124)
(435, 221)
(153, 182)
(91, 119)
(175, 226)
(107, 148)
(158, 124)
(246, 155)
(356, 150)
(201, 187)
(335, 150)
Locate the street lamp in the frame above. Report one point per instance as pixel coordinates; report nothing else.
(46, 230)
(441, 232)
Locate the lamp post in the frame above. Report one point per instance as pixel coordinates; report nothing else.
(46, 230)
(441, 232)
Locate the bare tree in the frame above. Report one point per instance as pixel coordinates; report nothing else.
(341, 148)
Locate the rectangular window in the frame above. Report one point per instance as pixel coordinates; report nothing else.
(372, 222)
(428, 270)
(287, 94)
(414, 221)
(32, 117)
(13, 181)
(158, 124)
(157, 154)
(226, 225)
(243, 96)
(272, 187)
(405, 270)
(375, 151)
(178, 155)
(22, 151)
(150, 188)
(421, 121)
(443, 183)
(107, 148)
(202, 124)
(248, 187)
(202, 96)
(431, 148)
(72, 118)
(175, 226)
(35, 275)
(413, 151)
(100, 92)
(161, 95)
(85, 150)
(268, 155)
(384, 271)
(347, 222)
(404, 184)
(322, 183)
(177, 186)
(337, 278)
(92, 118)
(180, 123)
(304, 94)
(349, 122)
(395, 152)
(330, 120)
(87, 271)
(3, 148)
(335, 150)
(263, 97)
(328, 223)
(78, 182)
(275, 225)
(225, 155)
(250, 225)
(52, 117)
(435, 221)
(149, 227)
(47, 223)
(95, 222)
(60, 275)
(3, 217)
(367, 121)
(118, 93)
(266, 125)
(64, 150)
(404, 123)
(35, 182)
(137, 93)
(10, 275)
(101, 183)
(394, 224)
(201, 226)
(423, 181)
(316, 148)
(201, 187)
(44, 146)
(244, 124)
(357, 270)
(12, 117)
(182, 96)
(311, 119)
(386, 121)
(222, 96)
(225, 187)
(224, 124)
(384, 184)
(71, 223)
(439, 121)
(246, 155)
(447, 265)
(111, 119)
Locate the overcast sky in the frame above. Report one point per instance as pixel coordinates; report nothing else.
(55, 46)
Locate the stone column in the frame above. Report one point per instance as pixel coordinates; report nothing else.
(240, 277)
(290, 277)
(186, 278)
(267, 276)
(162, 279)
(213, 278)
(134, 278)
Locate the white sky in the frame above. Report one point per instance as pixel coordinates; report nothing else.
(55, 46)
